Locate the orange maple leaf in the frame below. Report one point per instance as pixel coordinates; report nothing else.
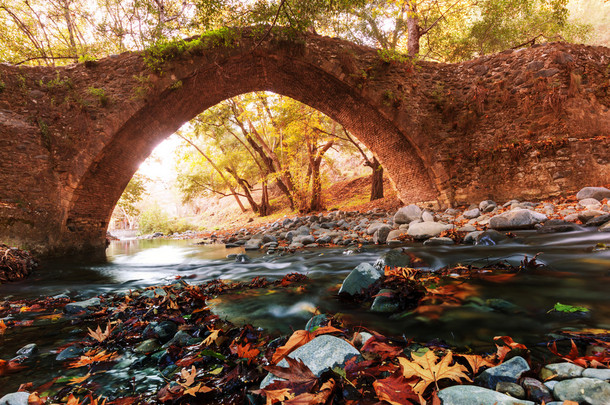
(510, 344)
(78, 380)
(430, 370)
(212, 337)
(245, 352)
(298, 339)
(188, 376)
(99, 335)
(476, 362)
(197, 388)
(280, 395)
(2, 326)
(395, 389)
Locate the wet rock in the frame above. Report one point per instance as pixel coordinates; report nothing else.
(15, 398)
(393, 258)
(512, 389)
(471, 237)
(490, 238)
(154, 293)
(438, 241)
(253, 244)
(147, 346)
(359, 279)
(242, 258)
(385, 302)
(163, 331)
(560, 371)
(583, 390)
(426, 230)
(599, 193)
(381, 234)
(427, 216)
(473, 213)
(374, 227)
(316, 322)
(586, 216)
(473, 395)
(267, 237)
(605, 227)
(29, 350)
(180, 339)
(322, 353)
(304, 239)
(394, 234)
(79, 306)
(557, 225)
(536, 391)
(508, 371)
(407, 214)
(70, 352)
(502, 305)
(599, 373)
(590, 203)
(517, 219)
(599, 220)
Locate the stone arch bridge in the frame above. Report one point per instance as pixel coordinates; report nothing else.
(526, 123)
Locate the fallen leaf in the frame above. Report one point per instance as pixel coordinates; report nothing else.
(319, 398)
(509, 345)
(78, 380)
(476, 362)
(280, 395)
(297, 375)
(212, 337)
(3, 326)
(429, 371)
(188, 376)
(198, 388)
(99, 335)
(34, 399)
(298, 339)
(395, 389)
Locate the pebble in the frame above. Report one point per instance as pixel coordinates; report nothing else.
(583, 390)
(560, 371)
(79, 306)
(509, 371)
(360, 278)
(512, 389)
(473, 395)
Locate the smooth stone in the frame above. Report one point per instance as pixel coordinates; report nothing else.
(374, 227)
(550, 384)
(242, 258)
(360, 279)
(589, 202)
(560, 371)
(393, 258)
(304, 239)
(407, 214)
(164, 331)
(517, 219)
(426, 230)
(29, 350)
(490, 238)
(586, 216)
(487, 206)
(557, 225)
(316, 321)
(473, 395)
(597, 221)
(605, 227)
(502, 305)
(536, 391)
(322, 353)
(467, 228)
(180, 339)
(471, 237)
(147, 346)
(512, 389)
(509, 371)
(253, 244)
(439, 241)
(599, 373)
(471, 214)
(15, 398)
(381, 234)
(583, 390)
(599, 193)
(394, 235)
(79, 306)
(385, 302)
(427, 216)
(70, 352)
(267, 237)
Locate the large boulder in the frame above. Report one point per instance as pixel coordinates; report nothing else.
(360, 279)
(407, 214)
(426, 230)
(599, 193)
(15, 398)
(473, 395)
(517, 219)
(322, 353)
(393, 258)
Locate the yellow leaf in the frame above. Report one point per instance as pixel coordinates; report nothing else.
(189, 376)
(99, 335)
(429, 371)
(213, 337)
(198, 388)
(278, 395)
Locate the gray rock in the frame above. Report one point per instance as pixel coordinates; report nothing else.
(15, 398)
(473, 213)
(427, 216)
(517, 219)
(592, 203)
(473, 395)
(560, 371)
(487, 206)
(180, 339)
(394, 234)
(242, 258)
(304, 239)
(490, 238)
(79, 306)
(360, 278)
(164, 331)
(471, 238)
(599, 193)
(320, 354)
(605, 227)
(29, 350)
(70, 352)
(583, 390)
(597, 221)
(393, 258)
(536, 391)
(550, 384)
(438, 241)
(586, 216)
(599, 373)
(407, 214)
(512, 389)
(147, 346)
(385, 302)
(374, 227)
(253, 244)
(557, 225)
(508, 371)
(267, 237)
(381, 234)
(316, 321)
(467, 228)
(425, 230)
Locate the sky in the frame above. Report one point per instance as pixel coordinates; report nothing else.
(161, 165)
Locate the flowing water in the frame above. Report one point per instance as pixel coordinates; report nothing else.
(574, 273)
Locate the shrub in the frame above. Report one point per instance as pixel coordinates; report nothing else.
(154, 219)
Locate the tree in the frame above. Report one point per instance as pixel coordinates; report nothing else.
(126, 208)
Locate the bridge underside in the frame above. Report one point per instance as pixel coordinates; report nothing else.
(445, 134)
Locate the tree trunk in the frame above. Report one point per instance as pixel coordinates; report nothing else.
(316, 188)
(246, 187)
(264, 207)
(376, 180)
(413, 29)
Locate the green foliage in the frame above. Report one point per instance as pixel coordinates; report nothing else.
(58, 84)
(176, 85)
(101, 95)
(2, 86)
(133, 194)
(45, 133)
(392, 56)
(569, 308)
(154, 219)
